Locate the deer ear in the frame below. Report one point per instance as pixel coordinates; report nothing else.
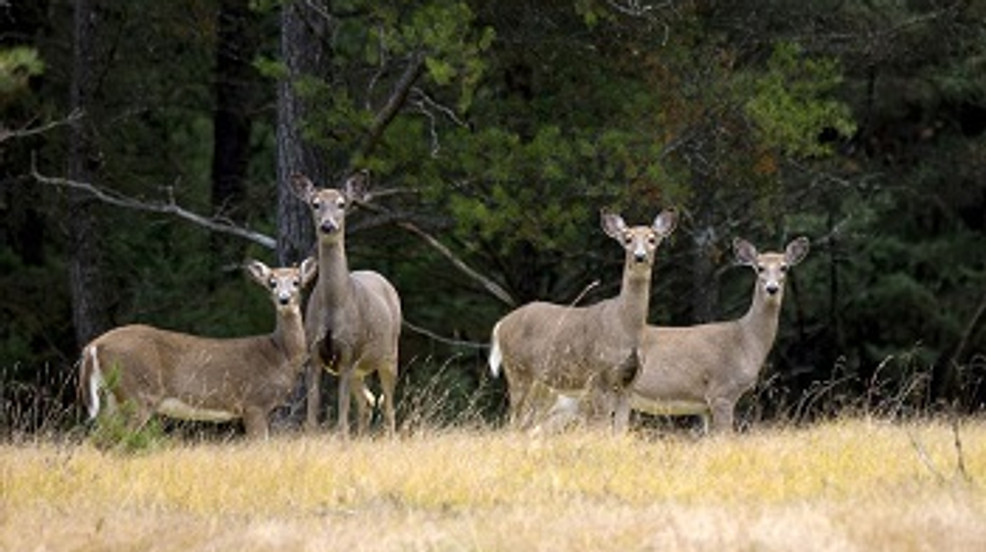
(796, 251)
(666, 222)
(258, 271)
(746, 253)
(302, 186)
(309, 270)
(356, 186)
(613, 225)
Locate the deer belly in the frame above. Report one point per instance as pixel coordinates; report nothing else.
(175, 408)
(668, 407)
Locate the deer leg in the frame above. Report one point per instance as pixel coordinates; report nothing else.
(722, 415)
(388, 383)
(255, 423)
(621, 414)
(314, 390)
(364, 409)
(520, 389)
(345, 382)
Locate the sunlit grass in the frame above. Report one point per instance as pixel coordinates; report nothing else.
(853, 483)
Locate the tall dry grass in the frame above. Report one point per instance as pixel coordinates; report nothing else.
(854, 484)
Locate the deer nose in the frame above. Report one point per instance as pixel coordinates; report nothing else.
(640, 256)
(284, 298)
(772, 288)
(328, 226)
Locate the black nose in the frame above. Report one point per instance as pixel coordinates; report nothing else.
(284, 300)
(328, 227)
(640, 257)
(773, 288)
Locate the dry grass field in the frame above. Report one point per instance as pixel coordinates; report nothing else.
(854, 484)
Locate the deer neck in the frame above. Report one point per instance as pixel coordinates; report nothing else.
(289, 333)
(760, 321)
(634, 298)
(333, 271)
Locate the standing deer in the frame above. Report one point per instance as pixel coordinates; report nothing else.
(199, 378)
(353, 319)
(575, 349)
(705, 369)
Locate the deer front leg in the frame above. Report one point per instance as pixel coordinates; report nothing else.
(722, 415)
(314, 389)
(255, 423)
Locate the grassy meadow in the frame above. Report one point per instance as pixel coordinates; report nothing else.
(851, 484)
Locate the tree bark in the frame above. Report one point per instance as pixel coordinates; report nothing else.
(302, 50)
(90, 311)
(236, 45)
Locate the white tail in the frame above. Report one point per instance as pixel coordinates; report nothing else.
(705, 369)
(353, 320)
(571, 349)
(190, 377)
(496, 357)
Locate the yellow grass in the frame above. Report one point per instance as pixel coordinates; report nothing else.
(846, 485)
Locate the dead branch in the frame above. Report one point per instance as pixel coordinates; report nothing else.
(398, 97)
(23, 132)
(223, 225)
(168, 207)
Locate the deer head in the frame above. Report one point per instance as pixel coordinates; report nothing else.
(285, 284)
(771, 268)
(330, 205)
(639, 242)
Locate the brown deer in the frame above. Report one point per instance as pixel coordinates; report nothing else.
(353, 319)
(155, 371)
(573, 349)
(705, 369)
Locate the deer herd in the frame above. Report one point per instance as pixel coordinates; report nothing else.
(562, 363)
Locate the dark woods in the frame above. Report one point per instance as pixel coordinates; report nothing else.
(493, 133)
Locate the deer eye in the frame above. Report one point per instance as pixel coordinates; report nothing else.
(341, 203)
(760, 269)
(627, 239)
(784, 269)
(296, 282)
(272, 283)
(652, 240)
(316, 203)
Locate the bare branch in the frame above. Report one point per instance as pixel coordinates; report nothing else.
(442, 339)
(397, 98)
(490, 285)
(6, 134)
(169, 207)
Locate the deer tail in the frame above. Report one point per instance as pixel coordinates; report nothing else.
(496, 357)
(90, 380)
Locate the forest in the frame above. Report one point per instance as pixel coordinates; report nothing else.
(147, 150)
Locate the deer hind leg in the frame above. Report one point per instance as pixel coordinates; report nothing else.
(361, 394)
(519, 394)
(388, 383)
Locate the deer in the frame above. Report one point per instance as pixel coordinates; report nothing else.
(156, 371)
(705, 369)
(353, 319)
(577, 349)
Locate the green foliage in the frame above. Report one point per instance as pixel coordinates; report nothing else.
(115, 433)
(17, 65)
(790, 105)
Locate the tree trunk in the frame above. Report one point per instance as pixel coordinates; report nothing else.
(302, 50)
(90, 311)
(236, 45)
